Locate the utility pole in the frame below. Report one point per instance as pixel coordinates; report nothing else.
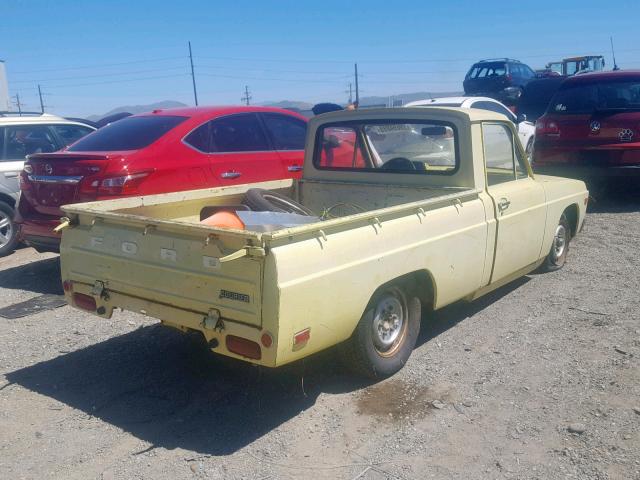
(350, 92)
(18, 104)
(613, 54)
(246, 96)
(193, 76)
(41, 102)
(357, 89)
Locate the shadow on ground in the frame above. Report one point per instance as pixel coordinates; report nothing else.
(42, 276)
(167, 389)
(615, 197)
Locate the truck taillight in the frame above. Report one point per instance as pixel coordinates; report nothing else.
(243, 347)
(85, 302)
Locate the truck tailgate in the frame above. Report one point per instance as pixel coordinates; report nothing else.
(175, 266)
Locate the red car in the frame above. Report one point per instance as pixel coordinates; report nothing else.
(591, 129)
(158, 152)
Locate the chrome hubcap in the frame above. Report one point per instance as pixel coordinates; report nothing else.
(559, 242)
(6, 229)
(388, 320)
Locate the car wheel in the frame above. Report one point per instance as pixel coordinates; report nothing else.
(8, 230)
(557, 256)
(385, 335)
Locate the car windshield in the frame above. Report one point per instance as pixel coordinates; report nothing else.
(592, 97)
(131, 133)
(488, 69)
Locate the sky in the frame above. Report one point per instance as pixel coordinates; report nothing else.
(91, 56)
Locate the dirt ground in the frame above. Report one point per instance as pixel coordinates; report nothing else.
(537, 380)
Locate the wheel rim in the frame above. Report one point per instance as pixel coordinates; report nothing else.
(389, 324)
(559, 243)
(6, 229)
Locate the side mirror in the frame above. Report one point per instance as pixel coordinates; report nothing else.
(521, 117)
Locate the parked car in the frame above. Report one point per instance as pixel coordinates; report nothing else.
(391, 237)
(21, 135)
(501, 78)
(157, 152)
(526, 128)
(536, 96)
(591, 129)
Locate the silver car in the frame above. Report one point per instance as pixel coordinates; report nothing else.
(22, 135)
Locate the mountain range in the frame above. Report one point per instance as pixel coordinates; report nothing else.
(290, 104)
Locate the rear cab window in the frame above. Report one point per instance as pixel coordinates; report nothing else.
(131, 133)
(388, 147)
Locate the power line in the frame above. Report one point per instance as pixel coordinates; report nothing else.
(102, 65)
(133, 72)
(119, 81)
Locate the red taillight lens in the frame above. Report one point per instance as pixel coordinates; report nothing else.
(121, 185)
(547, 127)
(67, 285)
(85, 302)
(266, 339)
(302, 336)
(242, 346)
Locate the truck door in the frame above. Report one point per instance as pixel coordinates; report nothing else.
(519, 202)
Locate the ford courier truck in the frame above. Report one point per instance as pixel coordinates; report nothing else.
(414, 209)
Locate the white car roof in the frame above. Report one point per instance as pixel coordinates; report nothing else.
(30, 119)
(447, 100)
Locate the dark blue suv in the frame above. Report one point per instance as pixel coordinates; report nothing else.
(500, 78)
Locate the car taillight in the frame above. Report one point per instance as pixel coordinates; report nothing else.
(243, 347)
(547, 127)
(120, 185)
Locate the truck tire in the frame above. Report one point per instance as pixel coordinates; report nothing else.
(8, 230)
(386, 334)
(557, 256)
(260, 200)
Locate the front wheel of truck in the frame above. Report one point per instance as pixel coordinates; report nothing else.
(386, 334)
(557, 256)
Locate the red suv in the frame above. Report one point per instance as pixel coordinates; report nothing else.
(158, 152)
(591, 129)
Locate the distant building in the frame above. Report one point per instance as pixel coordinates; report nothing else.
(4, 89)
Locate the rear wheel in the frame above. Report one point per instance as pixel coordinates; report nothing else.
(8, 230)
(557, 256)
(385, 335)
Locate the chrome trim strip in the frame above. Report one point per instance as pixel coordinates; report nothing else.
(54, 179)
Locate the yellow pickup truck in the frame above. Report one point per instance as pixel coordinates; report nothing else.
(414, 209)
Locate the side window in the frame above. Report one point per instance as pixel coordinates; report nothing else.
(287, 133)
(238, 133)
(199, 138)
(498, 153)
(25, 140)
(521, 165)
(70, 133)
(493, 107)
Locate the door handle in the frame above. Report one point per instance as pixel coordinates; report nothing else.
(503, 204)
(294, 168)
(230, 174)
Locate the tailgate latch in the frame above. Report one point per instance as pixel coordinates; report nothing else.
(213, 321)
(99, 290)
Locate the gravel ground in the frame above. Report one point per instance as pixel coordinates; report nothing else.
(537, 380)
